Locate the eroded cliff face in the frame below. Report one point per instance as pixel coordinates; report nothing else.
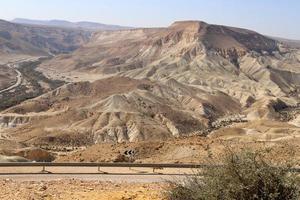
(182, 80)
(117, 110)
(190, 52)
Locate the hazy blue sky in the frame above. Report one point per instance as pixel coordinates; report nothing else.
(272, 17)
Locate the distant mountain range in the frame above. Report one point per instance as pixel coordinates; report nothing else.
(67, 24)
(39, 40)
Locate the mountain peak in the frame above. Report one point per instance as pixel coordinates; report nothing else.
(191, 24)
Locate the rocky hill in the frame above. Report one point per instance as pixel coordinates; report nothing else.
(118, 51)
(190, 78)
(117, 110)
(238, 62)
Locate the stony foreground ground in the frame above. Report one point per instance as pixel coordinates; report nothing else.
(77, 190)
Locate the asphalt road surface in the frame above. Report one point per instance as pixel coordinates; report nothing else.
(117, 178)
(113, 174)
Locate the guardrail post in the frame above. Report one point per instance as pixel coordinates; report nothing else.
(99, 170)
(44, 169)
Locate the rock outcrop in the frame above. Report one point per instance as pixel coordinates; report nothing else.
(34, 154)
(159, 83)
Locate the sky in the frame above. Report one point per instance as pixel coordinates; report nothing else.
(271, 17)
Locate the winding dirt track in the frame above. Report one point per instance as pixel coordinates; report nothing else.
(18, 82)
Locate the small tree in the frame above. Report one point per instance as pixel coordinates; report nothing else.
(246, 175)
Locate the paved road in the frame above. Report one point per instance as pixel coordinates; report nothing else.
(113, 174)
(18, 82)
(117, 178)
(19, 75)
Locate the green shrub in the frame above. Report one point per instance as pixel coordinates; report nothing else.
(244, 175)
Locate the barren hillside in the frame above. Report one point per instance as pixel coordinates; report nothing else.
(191, 78)
(241, 63)
(117, 110)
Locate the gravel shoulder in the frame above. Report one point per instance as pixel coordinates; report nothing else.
(73, 189)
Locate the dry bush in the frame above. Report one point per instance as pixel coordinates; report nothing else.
(244, 175)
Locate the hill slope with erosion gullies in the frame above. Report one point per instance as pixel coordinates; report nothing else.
(116, 109)
(238, 62)
(187, 79)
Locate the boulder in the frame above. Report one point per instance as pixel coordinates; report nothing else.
(35, 154)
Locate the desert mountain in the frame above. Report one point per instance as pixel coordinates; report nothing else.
(185, 40)
(66, 24)
(33, 40)
(238, 62)
(189, 78)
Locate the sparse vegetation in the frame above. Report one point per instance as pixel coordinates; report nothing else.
(34, 77)
(245, 175)
(23, 92)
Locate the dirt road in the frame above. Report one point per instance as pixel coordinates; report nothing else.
(18, 82)
(19, 74)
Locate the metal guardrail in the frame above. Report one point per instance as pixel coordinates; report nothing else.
(94, 164)
(129, 165)
(99, 165)
(138, 165)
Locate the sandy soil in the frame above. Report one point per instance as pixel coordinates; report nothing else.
(76, 189)
(70, 76)
(254, 135)
(7, 58)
